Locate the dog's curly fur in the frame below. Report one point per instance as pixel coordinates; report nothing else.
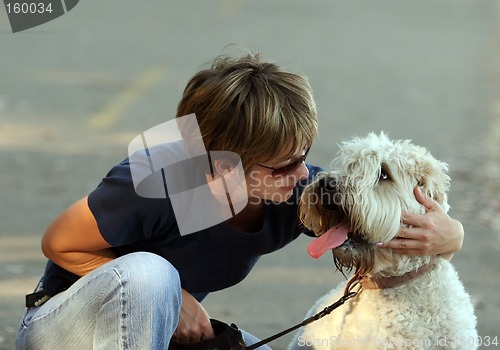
(371, 183)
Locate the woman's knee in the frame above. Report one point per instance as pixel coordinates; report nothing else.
(148, 272)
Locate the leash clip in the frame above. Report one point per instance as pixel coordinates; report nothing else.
(327, 310)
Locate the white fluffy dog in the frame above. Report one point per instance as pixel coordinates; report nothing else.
(409, 302)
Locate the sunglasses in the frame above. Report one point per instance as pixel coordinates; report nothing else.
(289, 168)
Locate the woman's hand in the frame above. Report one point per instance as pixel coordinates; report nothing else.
(432, 233)
(194, 323)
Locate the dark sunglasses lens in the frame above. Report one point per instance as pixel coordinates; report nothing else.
(290, 168)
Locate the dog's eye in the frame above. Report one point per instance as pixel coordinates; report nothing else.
(383, 176)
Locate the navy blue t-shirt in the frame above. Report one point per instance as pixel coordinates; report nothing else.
(208, 260)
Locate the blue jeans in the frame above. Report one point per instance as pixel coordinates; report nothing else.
(132, 302)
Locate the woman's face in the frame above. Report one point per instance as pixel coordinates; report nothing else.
(276, 179)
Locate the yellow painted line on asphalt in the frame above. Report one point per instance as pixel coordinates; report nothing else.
(75, 78)
(14, 249)
(16, 287)
(229, 7)
(115, 109)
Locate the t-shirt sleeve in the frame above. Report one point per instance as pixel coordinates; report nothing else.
(313, 172)
(124, 217)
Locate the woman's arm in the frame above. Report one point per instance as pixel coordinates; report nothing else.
(432, 233)
(74, 242)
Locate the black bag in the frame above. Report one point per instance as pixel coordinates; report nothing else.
(227, 337)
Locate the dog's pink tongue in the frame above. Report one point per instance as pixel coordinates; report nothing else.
(329, 240)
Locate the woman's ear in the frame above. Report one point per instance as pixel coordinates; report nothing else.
(222, 166)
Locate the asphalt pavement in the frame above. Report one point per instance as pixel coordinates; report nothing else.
(75, 91)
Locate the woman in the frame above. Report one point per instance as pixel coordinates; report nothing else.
(120, 273)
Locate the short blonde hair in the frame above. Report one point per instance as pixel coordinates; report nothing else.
(252, 108)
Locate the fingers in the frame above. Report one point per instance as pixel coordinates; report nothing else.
(193, 333)
(407, 246)
(208, 333)
(432, 233)
(416, 232)
(410, 241)
(413, 221)
(194, 322)
(421, 220)
(427, 202)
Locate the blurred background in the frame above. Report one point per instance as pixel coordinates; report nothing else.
(75, 91)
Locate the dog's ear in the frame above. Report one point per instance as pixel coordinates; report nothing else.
(433, 179)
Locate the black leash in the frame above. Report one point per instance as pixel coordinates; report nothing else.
(229, 337)
(327, 310)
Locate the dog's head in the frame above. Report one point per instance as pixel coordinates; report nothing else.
(360, 201)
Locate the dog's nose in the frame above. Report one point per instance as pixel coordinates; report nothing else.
(327, 188)
(328, 183)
